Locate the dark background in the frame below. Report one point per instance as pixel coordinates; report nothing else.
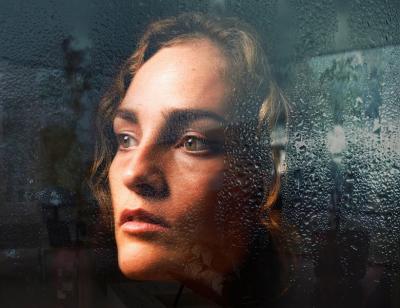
(337, 61)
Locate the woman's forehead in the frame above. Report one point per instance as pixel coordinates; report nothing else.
(186, 75)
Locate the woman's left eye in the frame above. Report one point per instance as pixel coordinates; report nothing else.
(195, 144)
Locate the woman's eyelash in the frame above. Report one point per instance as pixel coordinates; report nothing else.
(194, 143)
(191, 143)
(199, 144)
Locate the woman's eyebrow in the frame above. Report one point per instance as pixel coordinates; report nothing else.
(183, 117)
(176, 120)
(127, 115)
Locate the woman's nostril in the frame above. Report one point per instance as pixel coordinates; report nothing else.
(147, 190)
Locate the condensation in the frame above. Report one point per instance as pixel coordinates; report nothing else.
(338, 63)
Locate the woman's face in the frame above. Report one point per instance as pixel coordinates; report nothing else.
(170, 168)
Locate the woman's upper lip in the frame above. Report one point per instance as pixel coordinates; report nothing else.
(142, 216)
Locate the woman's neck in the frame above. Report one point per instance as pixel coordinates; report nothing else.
(254, 279)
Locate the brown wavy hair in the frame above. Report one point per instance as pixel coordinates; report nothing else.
(254, 95)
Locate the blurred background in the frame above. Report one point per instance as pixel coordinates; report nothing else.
(337, 61)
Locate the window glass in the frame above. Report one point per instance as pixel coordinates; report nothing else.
(337, 65)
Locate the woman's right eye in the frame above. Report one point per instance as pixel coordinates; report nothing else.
(126, 141)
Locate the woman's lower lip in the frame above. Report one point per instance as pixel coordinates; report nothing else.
(136, 227)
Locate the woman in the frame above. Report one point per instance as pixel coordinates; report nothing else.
(185, 162)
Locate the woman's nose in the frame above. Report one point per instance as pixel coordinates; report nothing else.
(144, 173)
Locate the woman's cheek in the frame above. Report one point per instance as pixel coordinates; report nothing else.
(198, 173)
(201, 183)
(195, 196)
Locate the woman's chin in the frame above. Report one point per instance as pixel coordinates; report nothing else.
(143, 261)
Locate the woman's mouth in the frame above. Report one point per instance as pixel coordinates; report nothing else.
(139, 221)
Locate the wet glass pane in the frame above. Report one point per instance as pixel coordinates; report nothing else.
(337, 156)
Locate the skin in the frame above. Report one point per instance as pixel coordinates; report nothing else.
(162, 147)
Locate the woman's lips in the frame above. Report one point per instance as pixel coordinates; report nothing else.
(140, 221)
(133, 227)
